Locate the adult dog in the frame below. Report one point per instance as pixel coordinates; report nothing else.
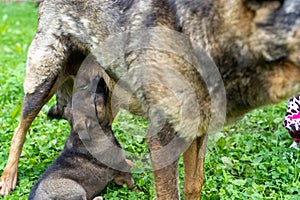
(163, 53)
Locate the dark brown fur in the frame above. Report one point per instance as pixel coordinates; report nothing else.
(76, 174)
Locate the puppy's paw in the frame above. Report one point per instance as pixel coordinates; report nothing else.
(98, 198)
(55, 113)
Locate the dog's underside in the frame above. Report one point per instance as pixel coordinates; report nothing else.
(254, 44)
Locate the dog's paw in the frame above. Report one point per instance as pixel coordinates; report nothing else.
(98, 198)
(8, 182)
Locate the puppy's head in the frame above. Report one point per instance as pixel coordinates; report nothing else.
(89, 102)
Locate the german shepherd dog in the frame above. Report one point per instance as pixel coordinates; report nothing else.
(190, 66)
(76, 174)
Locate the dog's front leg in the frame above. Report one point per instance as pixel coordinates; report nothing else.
(9, 176)
(43, 77)
(193, 160)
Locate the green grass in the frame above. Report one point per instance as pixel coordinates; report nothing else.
(248, 160)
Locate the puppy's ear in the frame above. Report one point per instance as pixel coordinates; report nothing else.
(102, 87)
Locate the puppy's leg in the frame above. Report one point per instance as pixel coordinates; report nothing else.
(43, 76)
(65, 91)
(63, 95)
(193, 160)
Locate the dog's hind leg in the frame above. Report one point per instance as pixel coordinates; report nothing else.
(165, 148)
(193, 160)
(44, 73)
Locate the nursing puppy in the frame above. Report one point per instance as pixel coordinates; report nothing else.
(76, 174)
(185, 63)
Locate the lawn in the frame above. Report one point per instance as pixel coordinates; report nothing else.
(248, 160)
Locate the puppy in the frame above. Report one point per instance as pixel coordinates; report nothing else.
(76, 174)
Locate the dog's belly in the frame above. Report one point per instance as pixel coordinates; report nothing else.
(153, 83)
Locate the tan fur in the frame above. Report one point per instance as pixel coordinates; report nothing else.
(193, 159)
(277, 83)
